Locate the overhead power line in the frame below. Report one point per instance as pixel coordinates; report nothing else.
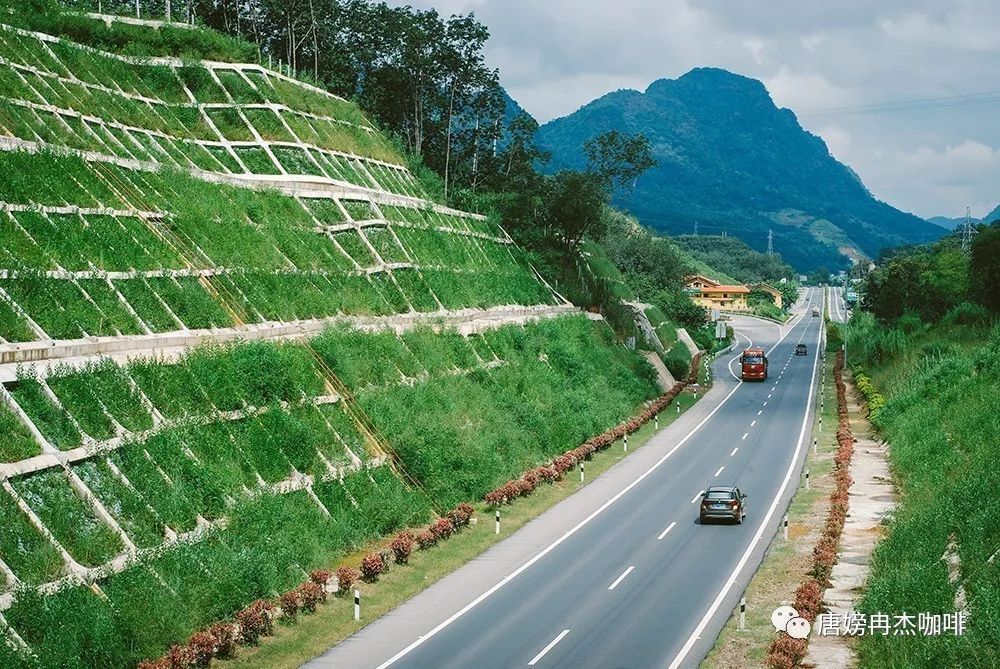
(914, 104)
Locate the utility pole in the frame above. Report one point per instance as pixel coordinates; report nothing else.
(967, 232)
(770, 242)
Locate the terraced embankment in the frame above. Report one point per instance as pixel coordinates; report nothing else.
(149, 205)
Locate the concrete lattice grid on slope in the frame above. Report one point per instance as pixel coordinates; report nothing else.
(299, 186)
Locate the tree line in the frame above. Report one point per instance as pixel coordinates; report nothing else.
(938, 281)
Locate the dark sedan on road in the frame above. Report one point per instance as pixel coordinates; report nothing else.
(723, 502)
(801, 349)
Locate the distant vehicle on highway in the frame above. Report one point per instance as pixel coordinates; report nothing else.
(754, 364)
(801, 349)
(723, 503)
(815, 312)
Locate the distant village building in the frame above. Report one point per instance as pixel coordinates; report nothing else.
(711, 294)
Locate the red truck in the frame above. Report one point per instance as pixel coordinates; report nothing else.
(754, 363)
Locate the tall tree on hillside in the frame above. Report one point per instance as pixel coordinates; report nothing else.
(619, 159)
(576, 207)
(466, 74)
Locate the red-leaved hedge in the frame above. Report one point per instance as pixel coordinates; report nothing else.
(786, 652)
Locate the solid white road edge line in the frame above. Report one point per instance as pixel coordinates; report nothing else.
(622, 577)
(573, 530)
(731, 581)
(548, 648)
(664, 532)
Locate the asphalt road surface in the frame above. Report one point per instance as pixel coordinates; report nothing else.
(622, 574)
(838, 307)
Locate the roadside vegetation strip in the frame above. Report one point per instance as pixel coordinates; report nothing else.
(421, 556)
(942, 384)
(785, 651)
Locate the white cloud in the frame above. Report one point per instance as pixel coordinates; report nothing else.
(806, 90)
(838, 141)
(756, 47)
(812, 42)
(960, 29)
(959, 175)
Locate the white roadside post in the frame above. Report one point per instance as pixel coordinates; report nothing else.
(785, 523)
(581, 471)
(815, 446)
(357, 605)
(625, 442)
(656, 421)
(498, 521)
(807, 479)
(678, 406)
(743, 613)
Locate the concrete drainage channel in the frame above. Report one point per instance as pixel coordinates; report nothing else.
(872, 499)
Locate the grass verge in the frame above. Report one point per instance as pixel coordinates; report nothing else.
(296, 643)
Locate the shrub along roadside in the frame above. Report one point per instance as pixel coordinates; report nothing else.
(785, 651)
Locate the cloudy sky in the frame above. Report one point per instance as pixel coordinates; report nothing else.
(850, 70)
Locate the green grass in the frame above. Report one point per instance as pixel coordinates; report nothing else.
(260, 554)
(17, 442)
(23, 548)
(12, 326)
(67, 516)
(512, 417)
(293, 645)
(127, 507)
(52, 422)
(941, 384)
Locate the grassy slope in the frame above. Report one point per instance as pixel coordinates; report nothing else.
(459, 430)
(294, 644)
(943, 392)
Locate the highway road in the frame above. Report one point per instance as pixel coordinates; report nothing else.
(838, 307)
(622, 574)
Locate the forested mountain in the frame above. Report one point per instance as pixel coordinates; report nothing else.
(730, 160)
(735, 258)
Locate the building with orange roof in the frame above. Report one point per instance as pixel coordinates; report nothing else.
(711, 294)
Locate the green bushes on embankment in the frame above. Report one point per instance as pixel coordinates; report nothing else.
(942, 396)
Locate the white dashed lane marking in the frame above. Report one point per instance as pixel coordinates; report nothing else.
(621, 578)
(664, 532)
(548, 648)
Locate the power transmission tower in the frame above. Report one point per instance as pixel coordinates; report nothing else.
(967, 231)
(770, 242)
